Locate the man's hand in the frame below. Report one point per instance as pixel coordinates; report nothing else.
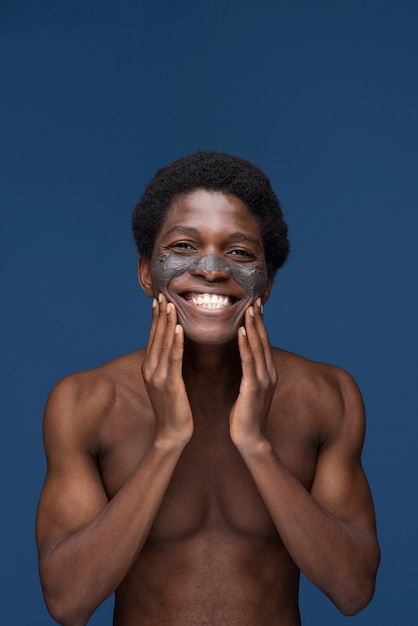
(259, 378)
(162, 372)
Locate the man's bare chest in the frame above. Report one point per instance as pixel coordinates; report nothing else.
(211, 488)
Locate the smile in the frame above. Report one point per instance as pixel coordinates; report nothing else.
(209, 300)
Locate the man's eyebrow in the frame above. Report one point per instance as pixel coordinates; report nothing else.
(244, 237)
(185, 230)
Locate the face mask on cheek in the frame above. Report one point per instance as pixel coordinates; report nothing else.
(250, 276)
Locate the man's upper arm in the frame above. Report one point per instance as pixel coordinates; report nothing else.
(340, 484)
(73, 492)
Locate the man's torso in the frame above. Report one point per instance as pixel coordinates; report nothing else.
(213, 555)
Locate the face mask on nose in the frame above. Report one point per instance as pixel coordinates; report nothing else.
(250, 276)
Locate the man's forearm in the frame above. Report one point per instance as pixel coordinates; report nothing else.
(84, 568)
(338, 557)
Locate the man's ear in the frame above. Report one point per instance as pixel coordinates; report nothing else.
(144, 276)
(266, 294)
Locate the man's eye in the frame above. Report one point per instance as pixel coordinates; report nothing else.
(182, 245)
(240, 252)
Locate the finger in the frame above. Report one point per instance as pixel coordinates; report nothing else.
(158, 339)
(259, 322)
(164, 342)
(171, 319)
(263, 335)
(154, 317)
(247, 356)
(175, 357)
(167, 339)
(255, 343)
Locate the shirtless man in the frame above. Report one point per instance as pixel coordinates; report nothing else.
(196, 477)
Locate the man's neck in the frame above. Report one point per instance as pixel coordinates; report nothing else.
(208, 369)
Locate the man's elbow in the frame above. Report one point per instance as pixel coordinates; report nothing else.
(64, 612)
(357, 597)
(357, 591)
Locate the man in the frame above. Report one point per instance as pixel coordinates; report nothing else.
(196, 477)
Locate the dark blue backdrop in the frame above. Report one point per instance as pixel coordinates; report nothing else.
(323, 96)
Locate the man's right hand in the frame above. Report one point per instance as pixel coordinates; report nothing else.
(162, 372)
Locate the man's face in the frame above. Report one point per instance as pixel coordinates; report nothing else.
(209, 261)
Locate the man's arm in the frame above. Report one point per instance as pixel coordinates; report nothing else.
(330, 531)
(86, 543)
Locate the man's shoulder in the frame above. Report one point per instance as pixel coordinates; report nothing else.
(321, 399)
(306, 367)
(314, 382)
(96, 392)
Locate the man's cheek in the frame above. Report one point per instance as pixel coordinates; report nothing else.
(252, 278)
(168, 266)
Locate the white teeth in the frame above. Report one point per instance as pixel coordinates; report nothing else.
(210, 301)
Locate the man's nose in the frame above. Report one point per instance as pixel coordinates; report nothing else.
(211, 267)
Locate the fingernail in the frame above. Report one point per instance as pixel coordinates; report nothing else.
(154, 303)
(160, 297)
(251, 311)
(169, 307)
(259, 303)
(177, 329)
(243, 331)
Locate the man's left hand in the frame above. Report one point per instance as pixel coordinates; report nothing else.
(249, 413)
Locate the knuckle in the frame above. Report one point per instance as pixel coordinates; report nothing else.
(158, 379)
(264, 384)
(174, 358)
(252, 386)
(146, 373)
(171, 386)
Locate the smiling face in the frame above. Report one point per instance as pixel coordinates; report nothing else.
(209, 261)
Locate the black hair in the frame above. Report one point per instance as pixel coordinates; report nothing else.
(214, 171)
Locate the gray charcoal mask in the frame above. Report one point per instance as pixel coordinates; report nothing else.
(250, 276)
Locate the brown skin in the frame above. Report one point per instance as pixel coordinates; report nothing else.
(197, 489)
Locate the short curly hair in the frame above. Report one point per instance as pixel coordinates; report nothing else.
(214, 171)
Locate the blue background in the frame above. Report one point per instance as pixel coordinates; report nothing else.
(321, 95)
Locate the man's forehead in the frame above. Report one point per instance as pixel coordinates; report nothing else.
(196, 198)
(190, 209)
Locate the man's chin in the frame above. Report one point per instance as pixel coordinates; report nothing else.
(208, 337)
